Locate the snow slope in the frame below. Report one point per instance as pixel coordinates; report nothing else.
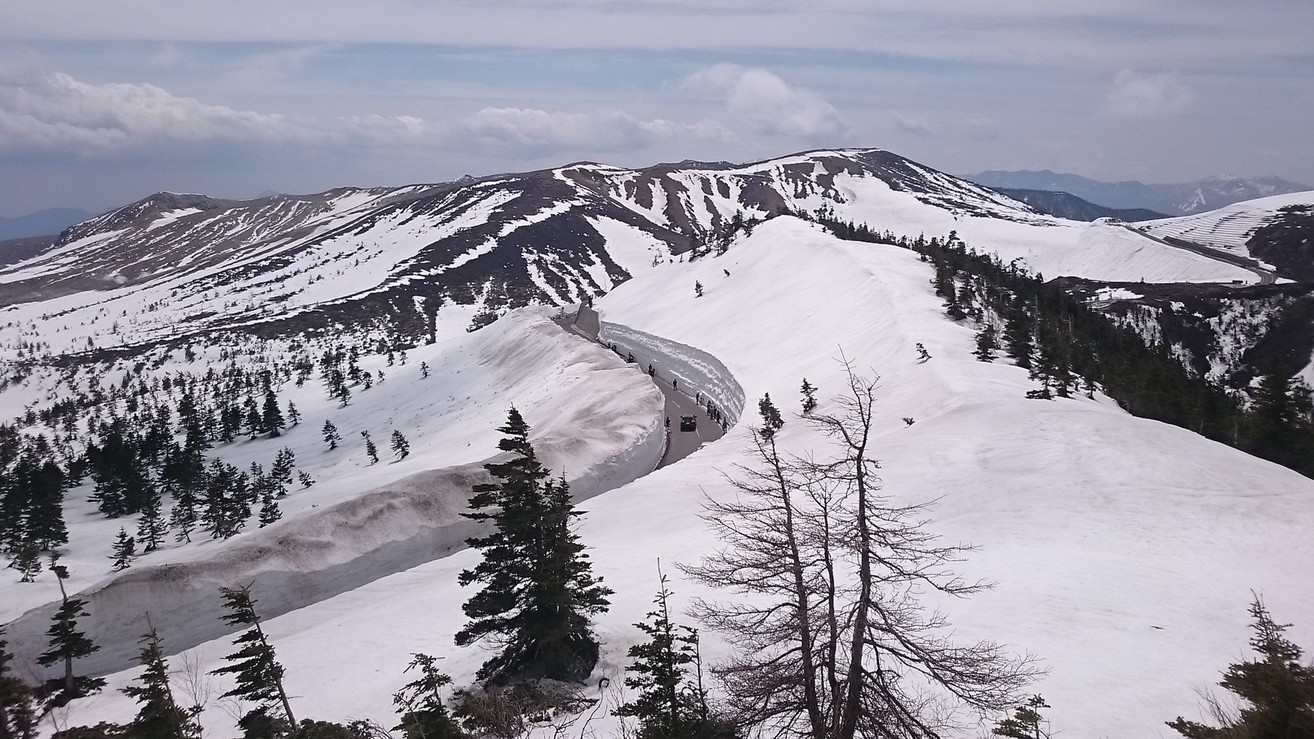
(1229, 227)
(1124, 550)
(594, 420)
(1052, 247)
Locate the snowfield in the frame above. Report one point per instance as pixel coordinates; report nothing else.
(1052, 247)
(1124, 550)
(1229, 227)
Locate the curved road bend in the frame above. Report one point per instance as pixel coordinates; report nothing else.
(1218, 255)
(679, 444)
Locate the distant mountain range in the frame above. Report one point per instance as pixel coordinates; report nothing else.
(41, 223)
(1067, 205)
(1173, 199)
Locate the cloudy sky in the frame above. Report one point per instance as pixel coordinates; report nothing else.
(104, 102)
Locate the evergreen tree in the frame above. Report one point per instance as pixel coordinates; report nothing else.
(370, 450)
(1277, 690)
(269, 510)
(331, 437)
(17, 705)
(1017, 336)
(152, 527)
(987, 343)
(671, 704)
(698, 289)
(423, 715)
(424, 369)
(771, 420)
(809, 397)
(67, 643)
(160, 716)
(400, 446)
(280, 474)
(27, 559)
(254, 666)
(185, 475)
(46, 500)
(293, 415)
(271, 416)
(539, 590)
(125, 548)
(1025, 722)
(305, 479)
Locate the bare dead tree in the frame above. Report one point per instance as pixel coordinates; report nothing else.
(831, 641)
(776, 676)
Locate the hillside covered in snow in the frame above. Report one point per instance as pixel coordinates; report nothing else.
(1123, 551)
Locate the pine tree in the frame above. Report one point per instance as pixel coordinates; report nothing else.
(67, 643)
(1025, 721)
(152, 527)
(269, 511)
(254, 666)
(423, 715)
(331, 437)
(424, 369)
(370, 450)
(1277, 691)
(809, 397)
(125, 548)
(1017, 336)
(771, 419)
(293, 415)
(280, 473)
(400, 446)
(539, 590)
(46, 499)
(670, 704)
(160, 716)
(987, 343)
(17, 705)
(305, 479)
(271, 416)
(698, 289)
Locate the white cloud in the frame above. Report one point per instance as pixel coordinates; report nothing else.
(766, 103)
(1147, 95)
(538, 131)
(56, 110)
(914, 126)
(394, 130)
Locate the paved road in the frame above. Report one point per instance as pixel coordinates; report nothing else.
(679, 444)
(1265, 276)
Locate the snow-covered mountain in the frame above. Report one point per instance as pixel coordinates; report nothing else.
(1173, 198)
(396, 257)
(1124, 549)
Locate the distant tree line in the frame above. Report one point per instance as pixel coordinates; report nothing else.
(1069, 347)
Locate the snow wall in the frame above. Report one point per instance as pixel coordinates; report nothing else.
(695, 370)
(389, 529)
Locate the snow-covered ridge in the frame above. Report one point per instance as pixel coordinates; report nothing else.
(174, 267)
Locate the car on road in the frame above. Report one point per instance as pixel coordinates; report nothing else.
(688, 423)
